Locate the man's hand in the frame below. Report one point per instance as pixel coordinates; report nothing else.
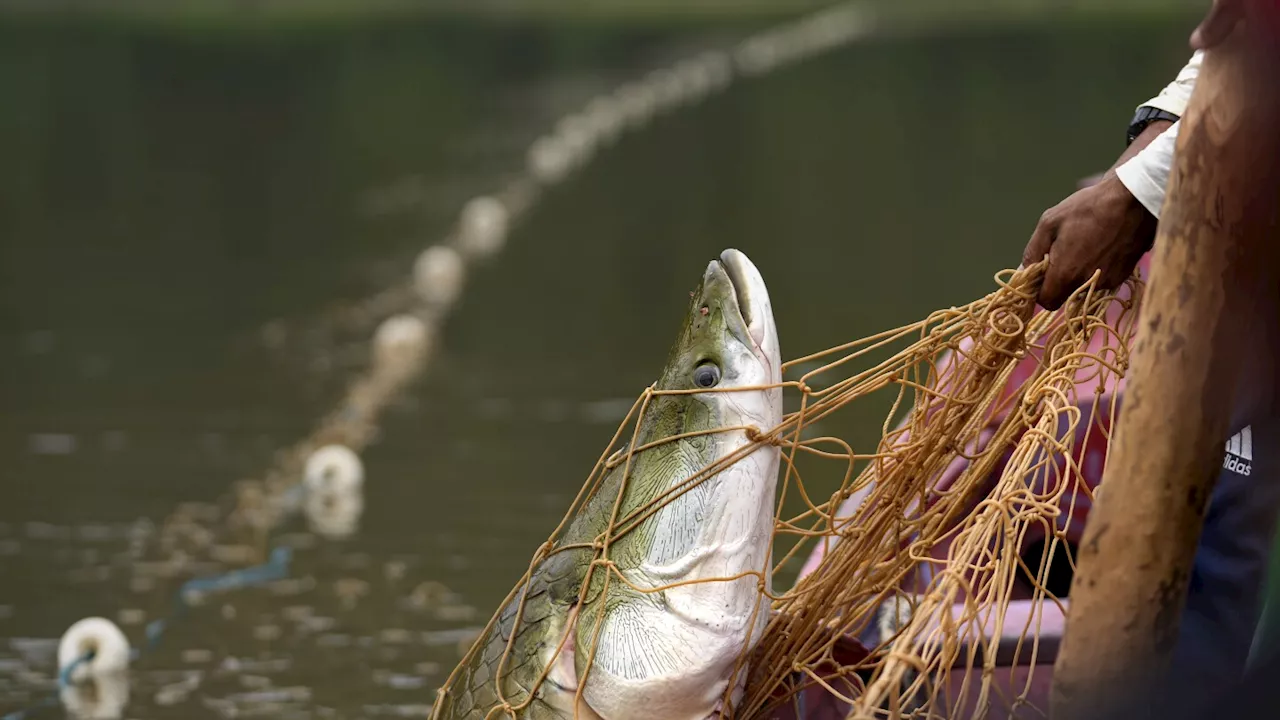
(1102, 227)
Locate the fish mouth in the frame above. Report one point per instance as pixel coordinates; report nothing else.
(749, 292)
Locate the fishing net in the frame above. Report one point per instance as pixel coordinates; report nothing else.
(1004, 406)
(932, 569)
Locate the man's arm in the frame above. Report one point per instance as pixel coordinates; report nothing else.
(1108, 225)
(1146, 173)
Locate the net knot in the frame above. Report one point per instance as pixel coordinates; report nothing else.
(852, 532)
(755, 435)
(545, 549)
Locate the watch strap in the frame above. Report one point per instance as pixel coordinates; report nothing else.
(1144, 117)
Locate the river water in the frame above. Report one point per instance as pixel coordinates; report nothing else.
(180, 211)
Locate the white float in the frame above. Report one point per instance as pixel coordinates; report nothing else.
(333, 479)
(482, 226)
(399, 338)
(97, 688)
(549, 161)
(438, 275)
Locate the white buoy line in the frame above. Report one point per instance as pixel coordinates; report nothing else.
(322, 475)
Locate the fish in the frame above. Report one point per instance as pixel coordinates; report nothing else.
(651, 647)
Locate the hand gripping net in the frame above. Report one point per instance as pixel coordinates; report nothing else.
(982, 454)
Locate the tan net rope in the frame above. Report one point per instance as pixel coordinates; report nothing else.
(957, 616)
(952, 553)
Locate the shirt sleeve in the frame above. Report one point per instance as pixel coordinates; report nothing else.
(1146, 174)
(1175, 96)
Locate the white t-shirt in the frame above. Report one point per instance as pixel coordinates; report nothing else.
(1147, 174)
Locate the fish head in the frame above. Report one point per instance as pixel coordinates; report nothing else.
(722, 376)
(729, 342)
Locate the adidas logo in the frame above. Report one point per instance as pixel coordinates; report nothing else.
(1239, 457)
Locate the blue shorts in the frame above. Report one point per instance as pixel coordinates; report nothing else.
(1228, 579)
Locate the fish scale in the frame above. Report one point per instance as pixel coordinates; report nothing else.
(553, 591)
(474, 693)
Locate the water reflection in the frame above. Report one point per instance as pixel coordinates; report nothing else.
(171, 198)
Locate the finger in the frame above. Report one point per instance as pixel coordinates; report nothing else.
(1217, 25)
(1121, 271)
(1118, 274)
(1041, 240)
(1056, 289)
(1059, 281)
(1111, 280)
(1050, 287)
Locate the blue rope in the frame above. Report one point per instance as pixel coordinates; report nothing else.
(276, 568)
(64, 677)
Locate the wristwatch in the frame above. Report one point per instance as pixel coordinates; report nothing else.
(1144, 117)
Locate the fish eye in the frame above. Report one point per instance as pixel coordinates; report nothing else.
(706, 375)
